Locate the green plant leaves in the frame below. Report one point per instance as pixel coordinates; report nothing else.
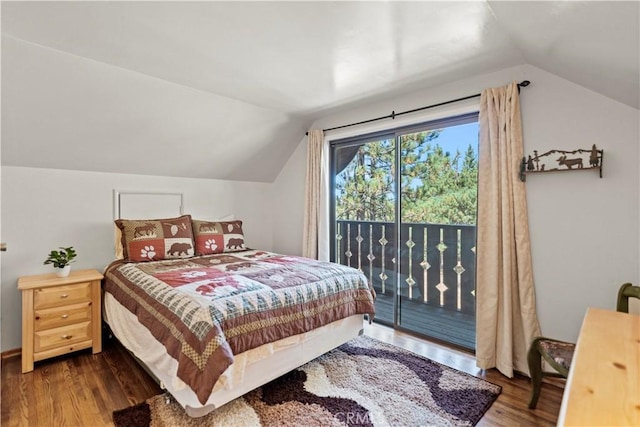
(61, 258)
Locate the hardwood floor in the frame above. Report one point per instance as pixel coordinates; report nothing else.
(80, 389)
(84, 389)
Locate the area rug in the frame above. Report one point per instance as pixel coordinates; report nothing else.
(364, 382)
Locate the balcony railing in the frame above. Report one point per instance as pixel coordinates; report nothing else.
(436, 263)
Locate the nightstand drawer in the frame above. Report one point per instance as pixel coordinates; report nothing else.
(47, 318)
(52, 338)
(62, 295)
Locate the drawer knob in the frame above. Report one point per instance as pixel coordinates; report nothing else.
(63, 296)
(64, 316)
(66, 337)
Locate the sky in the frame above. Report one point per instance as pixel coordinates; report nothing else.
(459, 137)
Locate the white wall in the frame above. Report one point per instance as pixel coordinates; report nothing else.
(47, 208)
(288, 203)
(584, 230)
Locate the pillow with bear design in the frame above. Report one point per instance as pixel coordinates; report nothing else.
(214, 237)
(156, 239)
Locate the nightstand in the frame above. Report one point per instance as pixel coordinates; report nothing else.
(59, 315)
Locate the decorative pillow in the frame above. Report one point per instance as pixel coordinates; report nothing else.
(156, 239)
(217, 237)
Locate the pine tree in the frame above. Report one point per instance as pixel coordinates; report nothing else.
(436, 187)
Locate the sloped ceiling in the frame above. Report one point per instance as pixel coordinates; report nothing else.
(226, 89)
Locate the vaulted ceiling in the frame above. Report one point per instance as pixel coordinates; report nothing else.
(227, 89)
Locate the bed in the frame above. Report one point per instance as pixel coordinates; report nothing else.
(211, 319)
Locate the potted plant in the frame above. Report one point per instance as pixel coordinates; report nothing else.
(61, 260)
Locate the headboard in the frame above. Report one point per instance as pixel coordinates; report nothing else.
(147, 204)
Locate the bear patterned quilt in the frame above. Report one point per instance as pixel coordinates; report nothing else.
(206, 309)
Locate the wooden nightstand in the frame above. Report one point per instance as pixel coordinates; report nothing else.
(59, 315)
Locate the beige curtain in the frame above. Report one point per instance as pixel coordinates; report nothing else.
(315, 144)
(506, 319)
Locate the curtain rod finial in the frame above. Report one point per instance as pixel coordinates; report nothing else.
(524, 83)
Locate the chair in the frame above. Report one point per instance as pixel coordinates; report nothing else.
(558, 354)
(627, 290)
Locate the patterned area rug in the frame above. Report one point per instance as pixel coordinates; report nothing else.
(364, 382)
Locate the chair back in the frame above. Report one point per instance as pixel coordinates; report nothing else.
(627, 290)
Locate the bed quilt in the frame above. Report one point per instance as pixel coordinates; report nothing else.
(206, 309)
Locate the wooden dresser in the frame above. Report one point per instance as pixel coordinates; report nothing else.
(59, 315)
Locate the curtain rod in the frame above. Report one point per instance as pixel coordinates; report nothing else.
(393, 114)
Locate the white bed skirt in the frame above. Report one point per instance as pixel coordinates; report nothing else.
(249, 370)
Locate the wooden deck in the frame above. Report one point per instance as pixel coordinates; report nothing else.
(429, 321)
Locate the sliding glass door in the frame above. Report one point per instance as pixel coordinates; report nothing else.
(364, 205)
(404, 212)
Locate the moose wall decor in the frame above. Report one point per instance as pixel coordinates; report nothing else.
(567, 160)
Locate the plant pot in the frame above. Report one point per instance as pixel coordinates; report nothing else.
(64, 271)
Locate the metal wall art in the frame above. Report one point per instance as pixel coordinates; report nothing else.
(562, 161)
